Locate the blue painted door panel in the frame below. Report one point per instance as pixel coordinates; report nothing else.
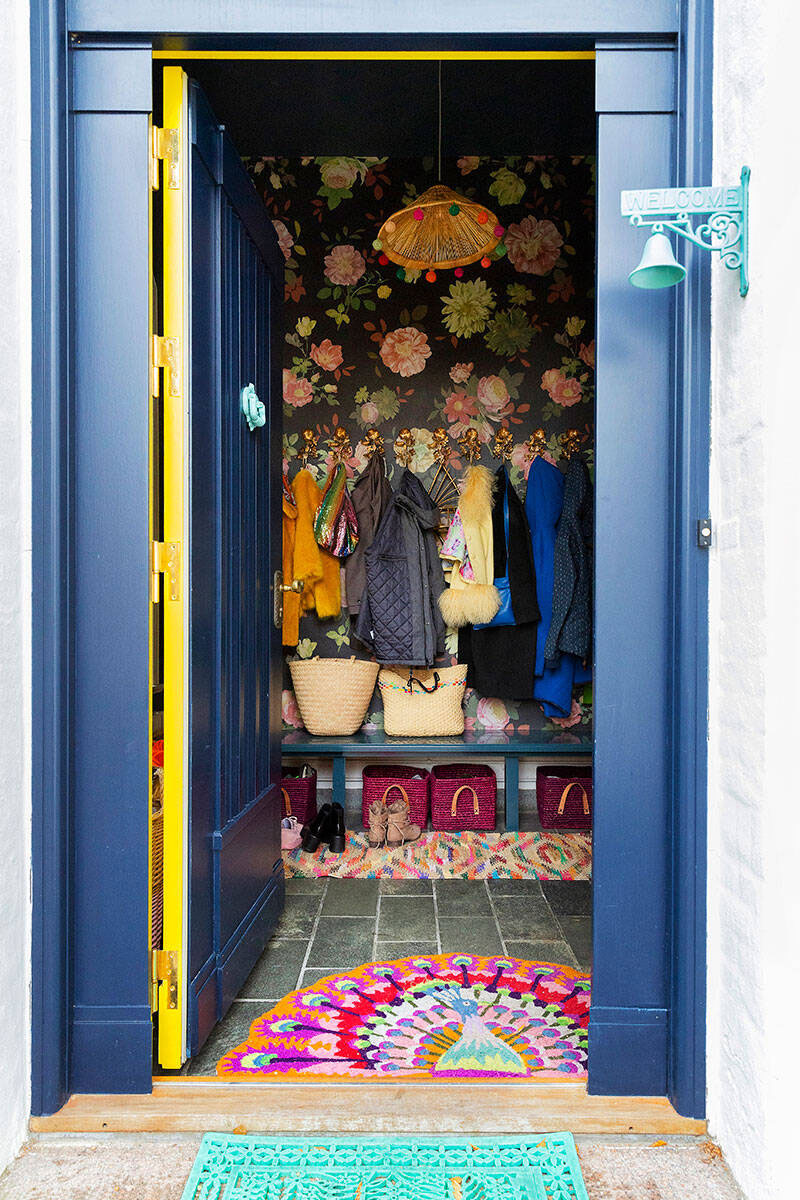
(635, 405)
(235, 871)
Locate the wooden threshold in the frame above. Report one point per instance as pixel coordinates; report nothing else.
(184, 1106)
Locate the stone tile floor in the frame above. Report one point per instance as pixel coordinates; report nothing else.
(334, 925)
(155, 1167)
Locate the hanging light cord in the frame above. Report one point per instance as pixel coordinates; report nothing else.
(440, 120)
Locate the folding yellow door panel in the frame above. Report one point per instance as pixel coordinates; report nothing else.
(170, 145)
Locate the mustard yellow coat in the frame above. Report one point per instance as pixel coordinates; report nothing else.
(304, 559)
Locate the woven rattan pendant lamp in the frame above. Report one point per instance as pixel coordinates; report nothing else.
(441, 230)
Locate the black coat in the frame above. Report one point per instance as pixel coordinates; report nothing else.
(399, 618)
(371, 494)
(500, 662)
(571, 624)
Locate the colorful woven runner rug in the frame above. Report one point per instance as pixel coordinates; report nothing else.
(433, 1017)
(547, 855)
(260, 1168)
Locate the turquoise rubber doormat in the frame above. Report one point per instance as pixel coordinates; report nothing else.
(229, 1167)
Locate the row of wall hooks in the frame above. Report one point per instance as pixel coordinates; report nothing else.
(502, 445)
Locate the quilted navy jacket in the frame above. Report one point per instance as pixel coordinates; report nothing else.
(399, 617)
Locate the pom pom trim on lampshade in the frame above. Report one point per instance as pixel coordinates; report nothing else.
(442, 239)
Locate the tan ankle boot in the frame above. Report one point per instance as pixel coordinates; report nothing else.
(399, 827)
(377, 824)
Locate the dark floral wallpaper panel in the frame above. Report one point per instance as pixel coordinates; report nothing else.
(368, 345)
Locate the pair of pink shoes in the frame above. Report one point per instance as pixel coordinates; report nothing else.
(291, 833)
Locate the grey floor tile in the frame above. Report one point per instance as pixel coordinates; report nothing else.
(231, 1031)
(342, 943)
(405, 887)
(578, 932)
(573, 898)
(462, 898)
(541, 951)
(351, 898)
(515, 887)
(313, 975)
(387, 951)
(299, 885)
(478, 936)
(525, 917)
(297, 919)
(407, 918)
(276, 972)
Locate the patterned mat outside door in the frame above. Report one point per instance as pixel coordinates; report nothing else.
(432, 1017)
(550, 854)
(260, 1168)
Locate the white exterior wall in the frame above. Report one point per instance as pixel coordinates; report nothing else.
(754, 882)
(15, 558)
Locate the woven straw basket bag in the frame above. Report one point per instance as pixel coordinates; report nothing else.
(420, 703)
(333, 694)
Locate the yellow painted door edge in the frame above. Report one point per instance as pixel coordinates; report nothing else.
(379, 55)
(174, 385)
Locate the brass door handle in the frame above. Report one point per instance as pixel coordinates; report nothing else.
(278, 588)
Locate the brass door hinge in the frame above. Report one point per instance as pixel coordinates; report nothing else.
(164, 969)
(165, 559)
(165, 145)
(166, 352)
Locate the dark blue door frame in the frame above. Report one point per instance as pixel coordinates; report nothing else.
(89, 980)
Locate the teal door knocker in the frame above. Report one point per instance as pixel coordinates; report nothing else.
(253, 409)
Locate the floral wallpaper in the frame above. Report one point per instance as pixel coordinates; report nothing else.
(508, 346)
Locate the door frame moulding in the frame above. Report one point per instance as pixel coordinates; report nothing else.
(53, 513)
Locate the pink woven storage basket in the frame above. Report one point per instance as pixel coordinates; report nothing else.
(299, 796)
(564, 797)
(388, 783)
(463, 797)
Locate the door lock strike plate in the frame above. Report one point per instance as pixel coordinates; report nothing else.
(165, 970)
(166, 560)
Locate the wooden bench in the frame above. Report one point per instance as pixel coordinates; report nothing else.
(510, 747)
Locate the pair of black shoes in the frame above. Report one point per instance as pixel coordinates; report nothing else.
(327, 827)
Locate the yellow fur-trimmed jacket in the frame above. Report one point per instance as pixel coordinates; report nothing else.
(471, 598)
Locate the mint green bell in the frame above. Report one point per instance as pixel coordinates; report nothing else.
(658, 267)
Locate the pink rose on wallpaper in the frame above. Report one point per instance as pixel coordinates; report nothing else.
(285, 239)
(460, 407)
(492, 714)
(573, 719)
(561, 390)
(326, 355)
(534, 247)
(586, 354)
(290, 713)
(493, 396)
(461, 372)
(467, 163)
(368, 413)
(344, 265)
(296, 391)
(405, 351)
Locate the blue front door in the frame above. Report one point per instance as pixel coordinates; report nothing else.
(235, 875)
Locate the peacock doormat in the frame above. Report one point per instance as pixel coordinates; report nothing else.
(549, 854)
(262, 1168)
(431, 1017)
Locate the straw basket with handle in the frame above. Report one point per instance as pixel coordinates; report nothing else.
(564, 797)
(423, 703)
(386, 783)
(463, 796)
(333, 694)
